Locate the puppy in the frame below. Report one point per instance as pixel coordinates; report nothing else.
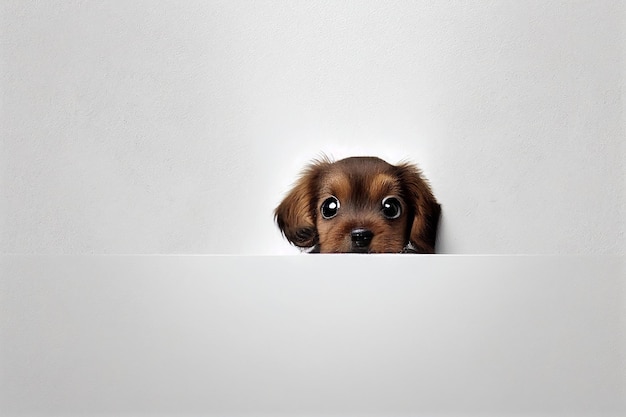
(360, 205)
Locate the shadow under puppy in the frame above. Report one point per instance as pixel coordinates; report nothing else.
(361, 205)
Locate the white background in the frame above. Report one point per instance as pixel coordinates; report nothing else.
(177, 127)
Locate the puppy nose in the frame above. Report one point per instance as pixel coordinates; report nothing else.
(361, 237)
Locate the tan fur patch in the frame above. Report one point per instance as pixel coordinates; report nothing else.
(383, 185)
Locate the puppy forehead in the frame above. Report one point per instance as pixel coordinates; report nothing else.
(348, 183)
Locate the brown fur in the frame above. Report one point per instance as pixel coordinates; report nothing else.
(360, 184)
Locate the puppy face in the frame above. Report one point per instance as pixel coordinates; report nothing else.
(362, 205)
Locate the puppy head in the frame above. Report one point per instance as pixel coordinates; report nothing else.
(360, 204)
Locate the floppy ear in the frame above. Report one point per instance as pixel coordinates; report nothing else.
(295, 215)
(425, 209)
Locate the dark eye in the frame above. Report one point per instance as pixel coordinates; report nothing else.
(391, 208)
(329, 208)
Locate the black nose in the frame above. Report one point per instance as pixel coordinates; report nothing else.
(361, 238)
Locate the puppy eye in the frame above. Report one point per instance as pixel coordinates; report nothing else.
(391, 208)
(329, 208)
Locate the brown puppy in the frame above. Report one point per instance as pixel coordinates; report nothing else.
(360, 204)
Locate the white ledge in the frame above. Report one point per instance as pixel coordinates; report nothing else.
(312, 335)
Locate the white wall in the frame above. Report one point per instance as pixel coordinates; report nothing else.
(176, 127)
